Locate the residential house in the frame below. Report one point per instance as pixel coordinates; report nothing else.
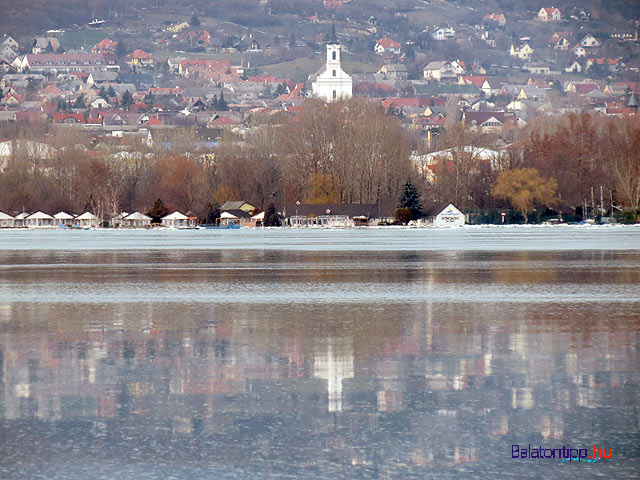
(532, 93)
(188, 67)
(105, 46)
(499, 18)
(95, 79)
(395, 71)
(552, 14)
(488, 38)
(540, 68)
(581, 88)
(579, 51)
(7, 52)
(387, 45)
(589, 41)
(45, 44)
(68, 118)
(140, 58)
(178, 27)
(10, 41)
(237, 205)
(523, 52)
(560, 41)
(443, 70)
(488, 122)
(573, 67)
(443, 33)
(609, 65)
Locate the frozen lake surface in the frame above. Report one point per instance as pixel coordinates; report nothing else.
(319, 354)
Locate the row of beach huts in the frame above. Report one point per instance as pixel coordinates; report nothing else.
(89, 220)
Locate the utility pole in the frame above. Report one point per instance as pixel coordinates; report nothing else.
(593, 210)
(601, 201)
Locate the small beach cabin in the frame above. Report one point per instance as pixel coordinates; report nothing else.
(6, 220)
(64, 219)
(178, 220)
(20, 219)
(450, 217)
(116, 220)
(136, 220)
(87, 220)
(39, 220)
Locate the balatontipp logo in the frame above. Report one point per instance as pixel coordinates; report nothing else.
(564, 454)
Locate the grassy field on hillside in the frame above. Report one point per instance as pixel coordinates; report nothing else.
(298, 70)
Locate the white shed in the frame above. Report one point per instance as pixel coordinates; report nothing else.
(450, 217)
(64, 218)
(39, 219)
(88, 219)
(136, 220)
(176, 220)
(6, 220)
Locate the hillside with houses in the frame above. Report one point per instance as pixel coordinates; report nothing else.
(172, 79)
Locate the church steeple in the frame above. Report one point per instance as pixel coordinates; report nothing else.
(333, 39)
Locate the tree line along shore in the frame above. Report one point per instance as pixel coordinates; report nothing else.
(573, 166)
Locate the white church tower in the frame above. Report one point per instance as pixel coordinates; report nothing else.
(331, 82)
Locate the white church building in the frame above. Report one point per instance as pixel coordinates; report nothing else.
(330, 82)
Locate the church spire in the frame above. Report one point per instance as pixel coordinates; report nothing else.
(333, 40)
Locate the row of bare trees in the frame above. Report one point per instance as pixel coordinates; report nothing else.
(347, 151)
(343, 152)
(582, 153)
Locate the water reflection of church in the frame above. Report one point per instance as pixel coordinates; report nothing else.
(411, 404)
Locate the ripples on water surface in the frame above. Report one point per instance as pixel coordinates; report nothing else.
(318, 353)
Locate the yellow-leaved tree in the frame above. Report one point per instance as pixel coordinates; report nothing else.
(525, 188)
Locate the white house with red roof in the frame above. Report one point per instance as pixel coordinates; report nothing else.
(387, 45)
(552, 14)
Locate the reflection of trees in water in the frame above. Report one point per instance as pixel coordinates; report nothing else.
(224, 391)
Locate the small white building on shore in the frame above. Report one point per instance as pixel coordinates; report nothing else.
(39, 220)
(450, 217)
(88, 219)
(6, 220)
(178, 220)
(136, 220)
(64, 219)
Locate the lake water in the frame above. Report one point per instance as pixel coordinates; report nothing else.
(319, 354)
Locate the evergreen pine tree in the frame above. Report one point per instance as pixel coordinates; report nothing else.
(271, 217)
(121, 50)
(195, 21)
(410, 198)
(214, 102)
(127, 100)
(111, 92)
(158, 211)
(222, 104)
(103, 93)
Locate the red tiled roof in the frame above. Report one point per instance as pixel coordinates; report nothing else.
(388, 43)
(141, 54)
